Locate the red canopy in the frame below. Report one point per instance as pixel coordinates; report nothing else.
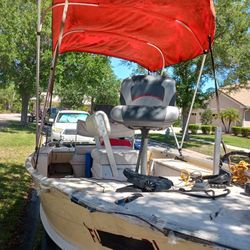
(142, 31)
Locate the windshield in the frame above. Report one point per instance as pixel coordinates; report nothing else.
(71, 117)
(53, 112)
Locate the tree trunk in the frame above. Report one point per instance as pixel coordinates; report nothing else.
(223, 123)
(25, 104)
(184, 114)
(229, 126)
(92, 105)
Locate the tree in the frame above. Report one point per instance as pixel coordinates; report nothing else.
(18, 48)
(85, 75)
(231, 45)
(207, 117)
(230, 115)
(8, 98)
(77, 74)
(185, 75)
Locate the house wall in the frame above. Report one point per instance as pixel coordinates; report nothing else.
(246, 121)
(226, 102)
(195, 117)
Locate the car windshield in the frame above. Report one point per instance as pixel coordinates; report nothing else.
(71, 117)
(53, 112)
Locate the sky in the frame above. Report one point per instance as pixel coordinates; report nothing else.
(120, 70)
(123, 71)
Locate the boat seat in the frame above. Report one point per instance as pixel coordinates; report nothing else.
(109, 162)
(147, 102)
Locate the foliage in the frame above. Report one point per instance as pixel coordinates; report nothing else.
(245, 132)
(193, 128)
(177, 123)
(185, 75)
(9, 99)
(231, 45)
(18, 48)
(84, 75)
(206, 129)
(213, 128)
(230, 115)
(77, 74)
(207, 117)
(236, 130)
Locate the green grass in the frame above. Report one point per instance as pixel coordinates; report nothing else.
(16, 143)
(232, 140)
(203, 148)
(196, 146)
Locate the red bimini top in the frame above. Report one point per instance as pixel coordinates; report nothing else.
(152, 33)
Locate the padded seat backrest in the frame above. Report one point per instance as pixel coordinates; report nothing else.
(148, 91)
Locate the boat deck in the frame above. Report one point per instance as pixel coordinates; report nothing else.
(224, 221)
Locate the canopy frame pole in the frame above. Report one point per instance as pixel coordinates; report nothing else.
(38, 45)
(176, 139)
(192, 103)
(52, 72)
(216, 91)
(162, 56)
(63, 4)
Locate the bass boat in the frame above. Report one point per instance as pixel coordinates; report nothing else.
(108, 195)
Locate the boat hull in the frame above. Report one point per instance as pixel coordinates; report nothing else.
(73, 226)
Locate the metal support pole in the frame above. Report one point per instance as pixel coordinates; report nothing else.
(53, 65)
(52, 74)
(216, 162)
(194, 96)
(139, 157)
(144, 151)
(175, 137)
(38, 42)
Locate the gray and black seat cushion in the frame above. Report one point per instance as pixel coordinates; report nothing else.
(147, 102)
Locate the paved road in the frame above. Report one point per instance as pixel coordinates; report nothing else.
(5, 118)
(10, 117)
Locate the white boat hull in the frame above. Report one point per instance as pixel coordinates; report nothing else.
(81, 213)
(72, 226)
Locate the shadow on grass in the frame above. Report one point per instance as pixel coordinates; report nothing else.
(14, 186)
(203, 137)
(16, 126)
(170, 141)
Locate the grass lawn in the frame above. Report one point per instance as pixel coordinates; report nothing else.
(200, 147)
(16, 143)
(237, 141)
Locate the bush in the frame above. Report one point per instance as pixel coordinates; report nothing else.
(177, 123)
(236, 130)
(213, 129)
(245, 132)
(193, 128)
(206, 129)
(207, 117)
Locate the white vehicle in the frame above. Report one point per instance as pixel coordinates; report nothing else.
(64, 126)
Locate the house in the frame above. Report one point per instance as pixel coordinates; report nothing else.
(239, 99)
